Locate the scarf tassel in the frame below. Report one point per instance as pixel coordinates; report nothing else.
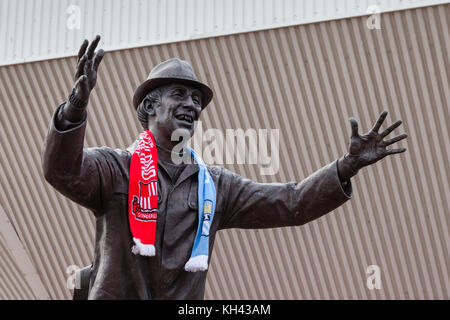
(143, 249)
(198, 263)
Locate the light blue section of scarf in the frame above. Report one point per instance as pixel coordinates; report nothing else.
(206, 208)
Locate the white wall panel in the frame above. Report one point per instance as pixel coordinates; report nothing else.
(32, 30)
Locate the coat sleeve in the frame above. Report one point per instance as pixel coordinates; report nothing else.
(85, 175)
(270, 205)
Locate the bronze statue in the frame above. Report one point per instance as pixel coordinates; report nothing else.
(98, 178)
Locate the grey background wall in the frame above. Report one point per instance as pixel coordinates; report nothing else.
(304, 80)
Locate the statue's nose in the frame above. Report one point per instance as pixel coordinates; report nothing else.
(189, 104)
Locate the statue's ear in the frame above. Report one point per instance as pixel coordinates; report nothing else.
(149, 107)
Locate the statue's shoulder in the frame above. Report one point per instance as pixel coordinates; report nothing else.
(215, 170)
(221, 173)
(114, 155)
(108, 151)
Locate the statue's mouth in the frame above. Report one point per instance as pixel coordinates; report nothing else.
(185, 117)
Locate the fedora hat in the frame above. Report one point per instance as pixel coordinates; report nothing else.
(169, 71)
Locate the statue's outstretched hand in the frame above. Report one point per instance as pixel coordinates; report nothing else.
(85, 80)
(87, 66)
(369, 148)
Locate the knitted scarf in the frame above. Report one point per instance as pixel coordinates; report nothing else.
(143, 203)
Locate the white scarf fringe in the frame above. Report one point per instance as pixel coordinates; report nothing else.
(143, 249)
(198, 263)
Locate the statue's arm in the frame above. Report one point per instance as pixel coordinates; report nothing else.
(84, 175)
(76, 172)
(270, 205)
(260, 205)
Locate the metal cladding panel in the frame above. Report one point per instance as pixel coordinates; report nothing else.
(19, 278)
(12, 284)
(32, 30)
(304, 80)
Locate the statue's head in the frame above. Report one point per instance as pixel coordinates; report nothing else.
(171, 99)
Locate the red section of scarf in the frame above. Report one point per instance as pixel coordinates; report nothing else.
(143, 190)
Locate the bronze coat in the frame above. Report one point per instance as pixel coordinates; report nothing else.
(97, 178)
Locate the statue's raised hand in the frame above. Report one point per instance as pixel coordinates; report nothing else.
(86, 72)
(369, 148)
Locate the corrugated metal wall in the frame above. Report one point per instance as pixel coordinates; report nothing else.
(12, 282)
(32, 30)
(18, 277)
(305, 80)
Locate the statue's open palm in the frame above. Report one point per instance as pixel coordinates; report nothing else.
(369, 148)
(87, 66)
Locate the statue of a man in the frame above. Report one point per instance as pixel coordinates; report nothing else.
(156, 220)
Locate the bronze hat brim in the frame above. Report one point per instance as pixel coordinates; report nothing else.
(150, 84)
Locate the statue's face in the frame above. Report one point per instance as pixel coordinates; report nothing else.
(180, 108)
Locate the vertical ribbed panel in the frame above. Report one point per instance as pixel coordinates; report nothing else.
(304, 80)
(12, 284)
(19, 278)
